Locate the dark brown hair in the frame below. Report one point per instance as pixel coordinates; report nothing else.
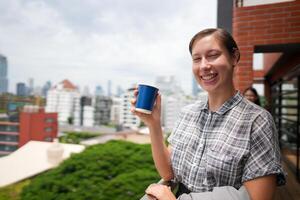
(222, 36)
(257, 101)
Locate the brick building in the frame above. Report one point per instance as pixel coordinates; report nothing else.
(34, 124)
(273, 31)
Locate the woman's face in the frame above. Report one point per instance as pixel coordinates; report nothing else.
(212, 65)
(250, 96)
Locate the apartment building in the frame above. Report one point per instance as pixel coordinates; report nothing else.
(62, 98)
(34, 124)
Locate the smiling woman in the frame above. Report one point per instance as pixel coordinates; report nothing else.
(226, 141)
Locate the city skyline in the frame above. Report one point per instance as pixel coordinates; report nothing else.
(92, 42)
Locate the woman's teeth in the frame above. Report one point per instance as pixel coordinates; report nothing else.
(208, 77)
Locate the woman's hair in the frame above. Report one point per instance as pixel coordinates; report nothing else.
(222, 36)
(257, 101)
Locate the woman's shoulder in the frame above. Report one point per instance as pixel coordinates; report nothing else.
(249, 107)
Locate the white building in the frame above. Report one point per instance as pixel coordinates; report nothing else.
(115, 110)
(84, 112)
(172, 105)
(167, 85)
(62, 98)
(126, 117)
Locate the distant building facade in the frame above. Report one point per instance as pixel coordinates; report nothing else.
(127, 119)
(167, 85)
(21, 89)
(9, 137)
(172, 106)
(3, 74)
(115, 110)
(62, 98)
(34, 124)
(84, 112)
(102, 113)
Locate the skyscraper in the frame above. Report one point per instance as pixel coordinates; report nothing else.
(99, 91)
(3, 75)
(109, 85)
(30, 86)
(21, 89)
(46, 87)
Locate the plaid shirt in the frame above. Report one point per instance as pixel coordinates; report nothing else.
(235, 144)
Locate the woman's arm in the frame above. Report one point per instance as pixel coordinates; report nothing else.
(262, 188)
(160, 152)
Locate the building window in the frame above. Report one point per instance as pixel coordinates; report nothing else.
(48, 129)
(48, 139)
(285, 109)
(49, 120)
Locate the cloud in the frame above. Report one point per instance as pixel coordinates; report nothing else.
(93, 41)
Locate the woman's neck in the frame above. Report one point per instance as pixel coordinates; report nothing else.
(217, 99)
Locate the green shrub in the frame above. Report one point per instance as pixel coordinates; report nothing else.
(76, 137)
(114, 170)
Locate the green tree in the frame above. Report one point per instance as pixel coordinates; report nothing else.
(114, 170)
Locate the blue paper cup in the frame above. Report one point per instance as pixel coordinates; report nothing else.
(145, 98)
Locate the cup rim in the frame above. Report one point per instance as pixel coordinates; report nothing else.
(148, 86)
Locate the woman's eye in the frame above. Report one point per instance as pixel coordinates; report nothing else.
(213, 55)
(196, 59)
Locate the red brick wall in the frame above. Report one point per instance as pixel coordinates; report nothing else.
(32, 126)
(262, 25)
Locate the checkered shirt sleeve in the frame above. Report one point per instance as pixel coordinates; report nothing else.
(264, 154)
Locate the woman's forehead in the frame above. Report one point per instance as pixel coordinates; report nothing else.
(207, 43)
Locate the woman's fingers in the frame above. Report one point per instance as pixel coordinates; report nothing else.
(151, 197)
(133, 101)
(135, 92)
(158, 100)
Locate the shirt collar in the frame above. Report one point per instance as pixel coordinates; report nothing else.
(228, 105)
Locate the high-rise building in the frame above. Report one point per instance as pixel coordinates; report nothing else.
(84, 112)
(120, 91)
(172, 105)
(109, 86)
(99, 91)
(3, 75)
(30, 86)
(115, 110)
(34, 124)
(102, 110)
(167, 85)
(127, 119)
(21, 89)
(62, 98)
(46, 88)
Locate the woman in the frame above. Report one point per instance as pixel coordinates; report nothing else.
(252, 95)
(226, 141)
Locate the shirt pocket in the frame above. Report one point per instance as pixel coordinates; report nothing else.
(223, 169)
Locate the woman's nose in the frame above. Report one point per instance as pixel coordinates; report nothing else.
(204, 64)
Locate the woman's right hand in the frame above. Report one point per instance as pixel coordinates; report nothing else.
(152, 119)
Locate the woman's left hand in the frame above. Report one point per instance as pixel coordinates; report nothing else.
(160, 192)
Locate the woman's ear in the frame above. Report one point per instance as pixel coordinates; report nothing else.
(236, 57)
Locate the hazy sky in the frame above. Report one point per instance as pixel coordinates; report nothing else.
(92, 41)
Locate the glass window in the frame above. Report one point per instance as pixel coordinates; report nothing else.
(48, 129)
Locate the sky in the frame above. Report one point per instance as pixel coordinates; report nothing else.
(90, 42)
